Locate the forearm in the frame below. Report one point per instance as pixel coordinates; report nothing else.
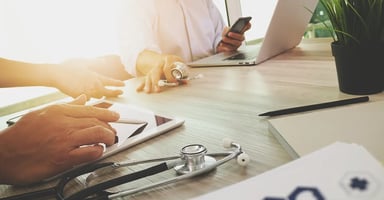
(15, 73)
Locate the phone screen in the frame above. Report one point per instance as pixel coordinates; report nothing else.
(240, 24)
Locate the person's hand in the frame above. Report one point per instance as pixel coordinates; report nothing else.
(160, 71)
(48, 141)
(75, 80)
(231, 41)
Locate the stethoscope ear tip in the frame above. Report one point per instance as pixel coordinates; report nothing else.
(243, 159)
(227, 143)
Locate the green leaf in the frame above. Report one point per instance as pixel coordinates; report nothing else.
(355, 21)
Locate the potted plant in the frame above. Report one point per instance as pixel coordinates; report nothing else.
(358, 46)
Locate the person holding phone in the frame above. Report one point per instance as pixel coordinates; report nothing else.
(155, 34)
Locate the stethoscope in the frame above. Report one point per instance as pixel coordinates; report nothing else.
(192, 161)
(180, 71)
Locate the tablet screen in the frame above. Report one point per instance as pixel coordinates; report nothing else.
(159, 119)
(133, 120)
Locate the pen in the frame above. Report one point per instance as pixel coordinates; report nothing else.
(315, 106)
(129, 121)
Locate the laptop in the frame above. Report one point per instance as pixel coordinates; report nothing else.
(285, 31)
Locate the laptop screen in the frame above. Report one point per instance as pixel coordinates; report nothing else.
(261, 12)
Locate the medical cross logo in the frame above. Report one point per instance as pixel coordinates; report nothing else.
(310, 193)
(357, 185)
(360, 184)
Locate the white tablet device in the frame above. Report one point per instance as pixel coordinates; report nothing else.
(136, 125)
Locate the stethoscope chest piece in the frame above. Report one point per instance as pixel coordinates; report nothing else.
(180, 71)
(194, 158)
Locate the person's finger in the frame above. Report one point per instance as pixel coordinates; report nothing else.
(112, 93)
(232, 37)
(79, 100)
(224, 47)
(81, 123)
(94, 93)
(87, 112)
(232, 44)
(95, 89)
(225, 31)
(93, 135)
(141, 87)
(156, 88)
(107, 92)
(154, 80)
(110, 81)
(148, 84)
(247, 27)
(85, 154)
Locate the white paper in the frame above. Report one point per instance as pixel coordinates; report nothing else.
(337, 172)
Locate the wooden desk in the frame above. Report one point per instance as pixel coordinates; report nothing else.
(225, 104)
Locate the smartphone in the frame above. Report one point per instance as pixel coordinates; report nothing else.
(239, 25)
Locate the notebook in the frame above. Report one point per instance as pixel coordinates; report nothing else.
(361, 123)
(286, 29)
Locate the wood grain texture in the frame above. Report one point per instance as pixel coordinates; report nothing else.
(225, 104)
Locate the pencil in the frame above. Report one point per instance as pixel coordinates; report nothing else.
(315, 106)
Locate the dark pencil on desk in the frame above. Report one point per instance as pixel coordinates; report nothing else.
(316, 106)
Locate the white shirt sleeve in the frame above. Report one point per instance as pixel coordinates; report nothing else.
(190, 29)
(204, 24)
(219, 23)
(135, 31)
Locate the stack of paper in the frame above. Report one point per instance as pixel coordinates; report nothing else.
(339, 171)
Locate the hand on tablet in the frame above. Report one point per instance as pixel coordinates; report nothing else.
(50, 140)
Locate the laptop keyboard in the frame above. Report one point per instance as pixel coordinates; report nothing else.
(242, 56)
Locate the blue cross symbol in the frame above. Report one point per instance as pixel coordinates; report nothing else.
(295, 194)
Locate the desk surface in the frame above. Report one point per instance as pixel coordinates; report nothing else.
(225, 104)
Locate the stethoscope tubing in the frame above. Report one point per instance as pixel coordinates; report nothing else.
(135, 176)
(120, 180)
(130, 163)
(31, 195)
(206, 169)
(114, 166)
(58, 190)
